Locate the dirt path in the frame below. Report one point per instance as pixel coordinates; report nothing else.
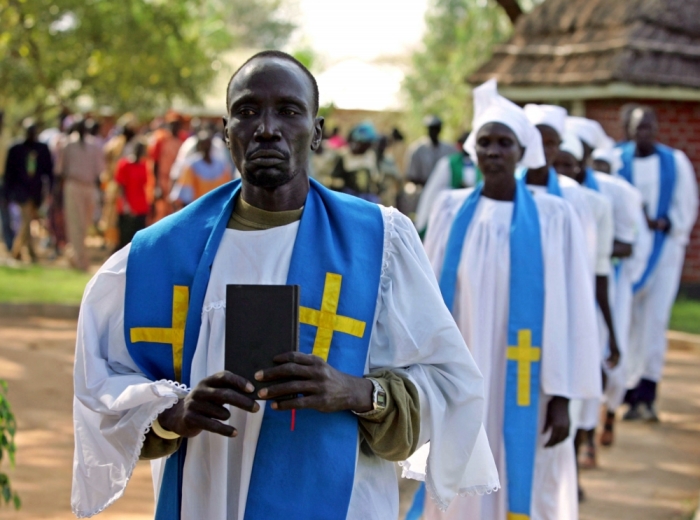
(652, 473)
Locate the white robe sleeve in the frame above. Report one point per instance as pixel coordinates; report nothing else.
(684, 206)
(605, 238)
(415, 334)
(571, 356)
(438, 182)
(114, 403)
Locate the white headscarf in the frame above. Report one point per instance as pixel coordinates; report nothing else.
(550, 115)
(490, 107)
(588, 130)
(609, 154)
(572, 144)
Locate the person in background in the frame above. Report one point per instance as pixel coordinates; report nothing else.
(453, 171)
(28, 176)
(118, 147)
(131, 176)
(355, 171)
(165, 146)
(421, 158)
(8, 234)
(202, 174)
(80, 162)
(666, 180)
(425, 153)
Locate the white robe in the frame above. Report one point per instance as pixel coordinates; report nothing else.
(652, 304)
(603, 213)
(413, 332)
(439, 181)
(570, 367)
(630, 225)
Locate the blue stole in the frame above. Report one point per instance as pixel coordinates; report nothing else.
(589, 180)
(525, 322)
(667, 183)
(553, 187)
(553, 183)
(304, 474)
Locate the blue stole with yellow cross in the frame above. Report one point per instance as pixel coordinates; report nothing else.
(307, 473)
(525, 322)
(667, 183)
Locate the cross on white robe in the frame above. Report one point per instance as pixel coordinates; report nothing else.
(569, 366)
(412, 333)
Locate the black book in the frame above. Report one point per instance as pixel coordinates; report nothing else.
(262, 321)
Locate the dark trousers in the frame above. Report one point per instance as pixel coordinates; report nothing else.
(129, 225)
(645, 393)
(8, 235)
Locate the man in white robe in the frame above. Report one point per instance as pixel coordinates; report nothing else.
(431, 387)
(570, 366)
(653, 300)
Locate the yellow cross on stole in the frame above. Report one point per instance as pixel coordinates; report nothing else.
(518, 516)
(525, 354)
(327, 318)
(175, 335)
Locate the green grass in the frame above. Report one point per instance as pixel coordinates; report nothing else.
(685, 316)
(37, 284)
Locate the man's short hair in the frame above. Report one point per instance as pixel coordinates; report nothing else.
(282, 56)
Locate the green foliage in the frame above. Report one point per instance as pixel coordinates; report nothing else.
(458, 38)
(8, 427)
(127, 55)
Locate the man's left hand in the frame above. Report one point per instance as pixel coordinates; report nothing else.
(558, 420)
(315, 384)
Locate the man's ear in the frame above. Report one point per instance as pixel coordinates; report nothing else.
(225, 119)
(318, 133)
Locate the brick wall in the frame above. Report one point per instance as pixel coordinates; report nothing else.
(679, 127)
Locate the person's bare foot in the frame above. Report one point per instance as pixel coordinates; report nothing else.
(608, 436)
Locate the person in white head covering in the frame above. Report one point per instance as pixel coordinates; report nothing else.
(592, 136)
(631, 250)
(502, 140)
(550, 120)
(569, 162)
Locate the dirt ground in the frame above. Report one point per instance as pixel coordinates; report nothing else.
(652, 473)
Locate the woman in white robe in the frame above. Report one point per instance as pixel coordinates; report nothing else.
(570, 366)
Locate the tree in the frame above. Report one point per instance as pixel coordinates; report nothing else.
(459, 37)
(127, 55)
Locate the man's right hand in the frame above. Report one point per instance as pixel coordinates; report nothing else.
(203, 408)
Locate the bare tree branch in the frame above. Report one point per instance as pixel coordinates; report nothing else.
(512, 9)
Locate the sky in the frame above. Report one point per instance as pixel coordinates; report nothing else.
(356, 42)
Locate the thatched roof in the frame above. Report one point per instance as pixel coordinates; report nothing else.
(584, 42)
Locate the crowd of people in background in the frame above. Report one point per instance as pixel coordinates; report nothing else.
(63, 184)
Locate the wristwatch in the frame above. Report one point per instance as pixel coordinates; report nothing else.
(378, 400)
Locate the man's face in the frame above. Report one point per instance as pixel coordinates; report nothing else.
(271, 127)
(434, 132)
(566, 164)
(497, 150)
(550, 143)
(643, 127)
